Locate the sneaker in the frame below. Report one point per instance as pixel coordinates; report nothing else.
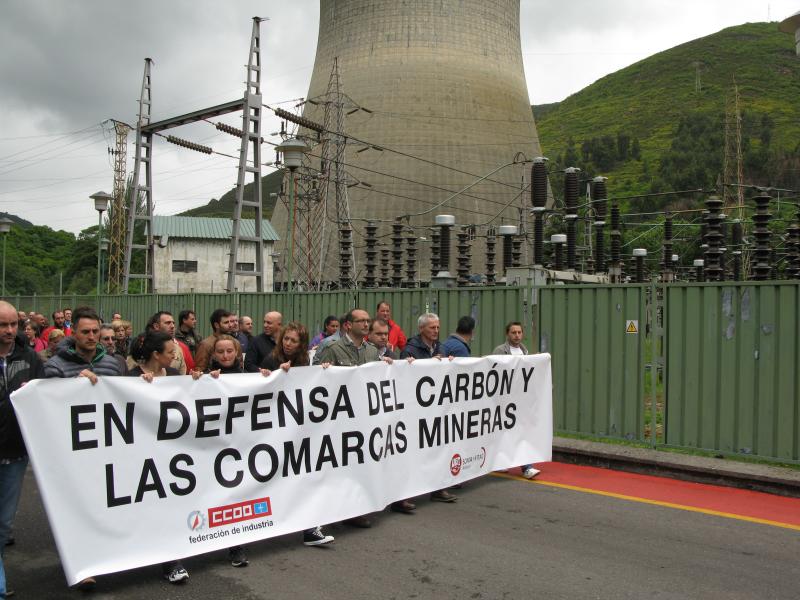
(8, 594)
(443, 496)
(238, 557)
(316, 537)
(177, 574)
(530, 473)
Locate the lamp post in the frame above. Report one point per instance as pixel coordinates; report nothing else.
(104, 244)
(101, 200)
(5, 227)
(293, 150)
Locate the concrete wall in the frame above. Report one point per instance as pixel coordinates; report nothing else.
(212, 262)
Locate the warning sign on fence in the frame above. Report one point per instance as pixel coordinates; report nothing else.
(631, 326)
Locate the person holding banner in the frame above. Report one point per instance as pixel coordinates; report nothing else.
(514, 345)
(291, 350)
(426, 345)
(18, 365)
(226, 357)
(82, 355)
(154, 352)
(351, 350)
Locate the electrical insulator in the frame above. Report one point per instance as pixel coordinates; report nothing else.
(190, 145)
(302, 121)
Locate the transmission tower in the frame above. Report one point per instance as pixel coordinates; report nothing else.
(118, 212)
(144, 149)
(733, 175)
(322, 200)
(252, 111)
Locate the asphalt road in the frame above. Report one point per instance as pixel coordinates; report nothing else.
(504, 538)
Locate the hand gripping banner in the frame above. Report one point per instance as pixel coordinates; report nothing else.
(135, 473)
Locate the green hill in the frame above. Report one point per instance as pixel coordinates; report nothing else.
(224, 206)
(648, 128)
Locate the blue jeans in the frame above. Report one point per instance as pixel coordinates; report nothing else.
(11, 477)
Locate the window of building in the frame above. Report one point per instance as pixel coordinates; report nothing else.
(184, 266)
(245, 266)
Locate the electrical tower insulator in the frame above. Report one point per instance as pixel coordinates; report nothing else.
(411, 259)
(793, 251)
(370, 254)
(714, 267)
(464, 259)
(557, 241)
(699, 270)
(397, 254)
(539, 182)
(445, 224)
(302, 121)
(345, 255)
(435, 242)
(507, 232)
(761, 268)
(639, 254)
(190, 145)
(491, 256)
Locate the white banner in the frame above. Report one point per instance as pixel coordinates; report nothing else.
(133, 473)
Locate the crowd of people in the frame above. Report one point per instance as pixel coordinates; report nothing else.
(79, 343)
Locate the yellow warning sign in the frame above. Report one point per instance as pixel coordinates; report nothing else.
(631, 326)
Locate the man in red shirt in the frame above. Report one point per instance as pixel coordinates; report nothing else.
(58, 323)
(397, 339)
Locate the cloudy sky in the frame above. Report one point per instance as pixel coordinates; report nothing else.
(69, 65)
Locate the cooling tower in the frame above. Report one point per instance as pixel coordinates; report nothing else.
(432, 99)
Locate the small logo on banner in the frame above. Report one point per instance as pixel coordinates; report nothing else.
(465, 463)
(455, 464)
(241, 511)
(196, 521)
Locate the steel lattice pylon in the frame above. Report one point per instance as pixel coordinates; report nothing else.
(321, 202)
(118, 212)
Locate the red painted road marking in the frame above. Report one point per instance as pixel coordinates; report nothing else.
(723, 501)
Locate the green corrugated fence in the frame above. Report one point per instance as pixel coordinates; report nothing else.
(730, 364)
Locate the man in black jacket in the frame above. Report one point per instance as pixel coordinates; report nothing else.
(426, 345)
(262, 345)
(18, 365)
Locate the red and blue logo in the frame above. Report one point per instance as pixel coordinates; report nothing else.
(241, 511)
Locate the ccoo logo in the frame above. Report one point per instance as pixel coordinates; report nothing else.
(455, 464)
(196, 521)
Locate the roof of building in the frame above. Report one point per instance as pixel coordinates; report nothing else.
(209, 228)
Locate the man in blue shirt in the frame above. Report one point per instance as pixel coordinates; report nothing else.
(458, 343)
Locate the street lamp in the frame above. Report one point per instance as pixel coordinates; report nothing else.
(101, 200)
(293, 150)
(5, 227)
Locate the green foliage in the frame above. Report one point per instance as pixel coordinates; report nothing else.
(647, 127)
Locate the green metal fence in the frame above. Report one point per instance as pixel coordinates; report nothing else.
(733, 368)
(730, 356)
(596, 338)
(492, 307)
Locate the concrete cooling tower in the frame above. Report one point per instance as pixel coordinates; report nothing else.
(419, 99)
